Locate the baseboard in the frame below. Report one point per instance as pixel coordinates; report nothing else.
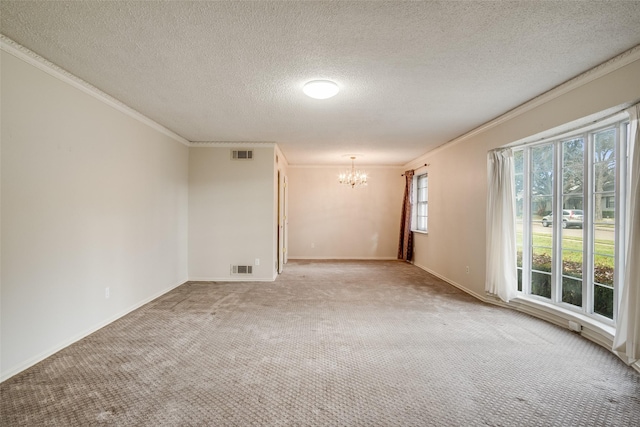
(246, 278)
(462, 288)
(346, 258)
(50, 352)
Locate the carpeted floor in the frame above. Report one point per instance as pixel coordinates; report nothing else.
(327, 344)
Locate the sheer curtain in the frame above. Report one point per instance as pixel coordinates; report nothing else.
(501, 279)
(626, 343)
(405, 247)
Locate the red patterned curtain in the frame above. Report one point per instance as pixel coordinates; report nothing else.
(405, 248)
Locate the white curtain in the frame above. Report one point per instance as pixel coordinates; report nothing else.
(501, 279)
(626, 343)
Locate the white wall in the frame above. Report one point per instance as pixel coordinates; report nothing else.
(330, 220)
(231, 213)
(458, 176)
(91, 198)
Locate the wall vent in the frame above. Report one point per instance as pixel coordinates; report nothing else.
(242, 154)
(241, 269)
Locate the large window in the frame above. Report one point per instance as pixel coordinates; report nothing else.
(569, 216)
(420, 207)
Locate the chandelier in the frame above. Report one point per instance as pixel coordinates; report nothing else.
(353, 176)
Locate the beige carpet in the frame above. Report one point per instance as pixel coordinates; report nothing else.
(327, 344)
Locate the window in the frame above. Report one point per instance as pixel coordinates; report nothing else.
(421, 198)
(573, 259)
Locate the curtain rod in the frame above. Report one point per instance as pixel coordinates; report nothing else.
(426, 164)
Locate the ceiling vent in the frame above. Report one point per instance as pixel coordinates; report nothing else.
(242, 154)
(241, 269)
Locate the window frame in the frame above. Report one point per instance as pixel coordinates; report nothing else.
(416, 202)
(586, 133)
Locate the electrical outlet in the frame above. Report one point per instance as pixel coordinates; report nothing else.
(467, 269)
(107, 293)
(575, 326)
(313, 245)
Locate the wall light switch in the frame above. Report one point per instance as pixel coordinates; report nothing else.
(107, 293)
(257, 261)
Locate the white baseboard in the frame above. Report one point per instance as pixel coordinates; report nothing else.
(346, 258)
(245, 278)
(462, 288)
(51, 351)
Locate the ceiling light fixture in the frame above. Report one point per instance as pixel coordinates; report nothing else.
(353, 176)
(320, 89)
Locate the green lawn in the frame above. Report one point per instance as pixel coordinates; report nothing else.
(571, 256)
(572, 247)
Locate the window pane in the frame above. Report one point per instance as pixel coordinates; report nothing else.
(518, 159)
(603, 301)
(541, 208)
(572, 220)
(422, 223)
(542, 171)
(604, 226)
(573, 168)
(541, 284)
(518, 163)
(605, 142)
(572, 291)
(603, 269)
(574, 205)
(541, 259)
(422, 194)
(572, 263)
(422, 209)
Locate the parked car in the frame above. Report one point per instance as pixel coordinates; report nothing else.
(570, 218)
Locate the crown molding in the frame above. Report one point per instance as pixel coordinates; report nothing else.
(32, 58)
(344, 166)
(228, 144)
(588, 76)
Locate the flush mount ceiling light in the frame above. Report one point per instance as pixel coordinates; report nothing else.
(320, 89)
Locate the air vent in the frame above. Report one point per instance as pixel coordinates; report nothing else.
(241, 269)
(242, 154)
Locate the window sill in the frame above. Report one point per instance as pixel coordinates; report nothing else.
(591, 329)
(419, 231)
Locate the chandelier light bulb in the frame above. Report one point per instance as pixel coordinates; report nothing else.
(320, 89)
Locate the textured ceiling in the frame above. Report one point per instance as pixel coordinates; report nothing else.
(413, 75)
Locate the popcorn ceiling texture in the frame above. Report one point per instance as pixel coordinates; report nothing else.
(329, 343)
(413, 74)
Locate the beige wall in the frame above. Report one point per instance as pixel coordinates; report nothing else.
(231, 213)
(91, 198)
(458, 175)
(329, 220)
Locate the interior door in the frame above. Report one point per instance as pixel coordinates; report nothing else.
(280, 222)
(285, 233)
